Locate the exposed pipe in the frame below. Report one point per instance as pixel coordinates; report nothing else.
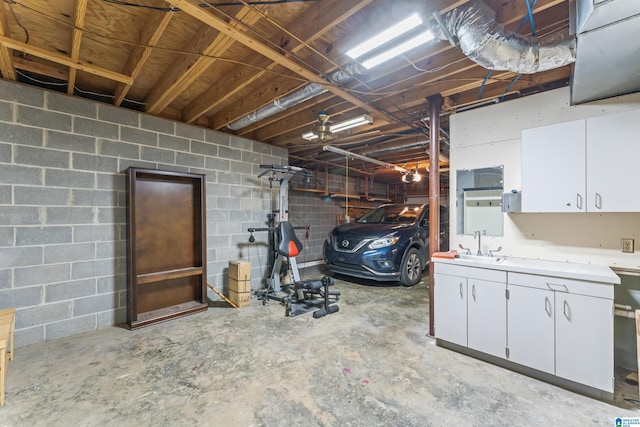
(364, 158)
(492, 46)
(396, 148)
(435, 104)
(312, 90)
(627, 314)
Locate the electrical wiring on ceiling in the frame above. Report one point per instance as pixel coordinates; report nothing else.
(76, 88)
(163, 49)
(399, 113)
(371, 91)
(13, 13)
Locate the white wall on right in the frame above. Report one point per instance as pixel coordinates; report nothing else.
(491, 136)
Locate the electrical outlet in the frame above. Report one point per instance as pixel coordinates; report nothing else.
(627, 245)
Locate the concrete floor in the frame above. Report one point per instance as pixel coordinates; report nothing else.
(370, 364)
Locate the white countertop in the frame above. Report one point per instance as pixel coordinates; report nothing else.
(567, 270)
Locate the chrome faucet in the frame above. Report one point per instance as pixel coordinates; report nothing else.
(478, 234)
(466, 249)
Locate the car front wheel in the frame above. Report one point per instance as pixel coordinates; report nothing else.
(411, 268)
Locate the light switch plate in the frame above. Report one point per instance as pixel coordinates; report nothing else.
(627, 245)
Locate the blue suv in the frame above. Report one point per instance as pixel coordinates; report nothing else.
(389, 243)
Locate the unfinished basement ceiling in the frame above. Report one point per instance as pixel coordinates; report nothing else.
(212, 63)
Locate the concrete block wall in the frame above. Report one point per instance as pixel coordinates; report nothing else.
(63, 204)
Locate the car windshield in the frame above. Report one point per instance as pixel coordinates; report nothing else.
(391, 214)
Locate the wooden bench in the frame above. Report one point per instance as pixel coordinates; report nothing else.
(7, 328)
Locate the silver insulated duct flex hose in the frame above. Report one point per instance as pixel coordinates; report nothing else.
(309, 91)
(492, 46)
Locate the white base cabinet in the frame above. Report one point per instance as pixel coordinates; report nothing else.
(563, 327)
(487, 317)
(584, 340)
(531, 335)
(471, 309)
(450, 317)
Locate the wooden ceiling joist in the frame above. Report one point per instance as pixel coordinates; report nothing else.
(64, 60)
(148, 38)
(6, 63)
(274, 55)
(76, 39)
(208, 44)
(212, 65)
(323, 16)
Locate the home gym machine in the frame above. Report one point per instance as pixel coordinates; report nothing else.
(283, 247)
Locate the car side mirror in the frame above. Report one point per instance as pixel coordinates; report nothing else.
(424, 222)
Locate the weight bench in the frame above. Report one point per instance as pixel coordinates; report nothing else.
(308, 294)
(7, 329)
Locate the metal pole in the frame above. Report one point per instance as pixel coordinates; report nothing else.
(435, 104)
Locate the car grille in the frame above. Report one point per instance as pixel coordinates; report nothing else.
(352, 267)
(346, 244)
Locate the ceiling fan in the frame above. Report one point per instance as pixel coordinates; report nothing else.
(325, 131)
(412, 176)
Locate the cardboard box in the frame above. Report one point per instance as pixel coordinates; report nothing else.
(239, 270)
(239, 285)
(241, 299)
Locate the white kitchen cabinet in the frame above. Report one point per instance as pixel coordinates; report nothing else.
(586, 165)
(612, 161)
(563, 327)
(450, 312)
(553, 168)
(584, 340)
(470, 307)
(531, 336)
(486, 316)
(553, 317)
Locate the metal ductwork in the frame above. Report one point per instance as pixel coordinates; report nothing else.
(607, 59)
(312, 90)
(492, 46)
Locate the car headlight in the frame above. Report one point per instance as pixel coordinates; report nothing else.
(385, 241)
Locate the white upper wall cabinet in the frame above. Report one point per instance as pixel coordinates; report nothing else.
(585, 165)
(613, 158)
(553, 168)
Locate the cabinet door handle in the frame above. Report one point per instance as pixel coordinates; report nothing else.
(547, 306)
(557, 288)
(567, 310)
(579, 201)
(473, 292)
(461, 295)
(598, 201)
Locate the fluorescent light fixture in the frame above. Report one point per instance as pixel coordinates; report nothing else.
(385, 36)
(406, 46)
(325, 132)
(361, 157)
(351, 123)
(309, 136)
